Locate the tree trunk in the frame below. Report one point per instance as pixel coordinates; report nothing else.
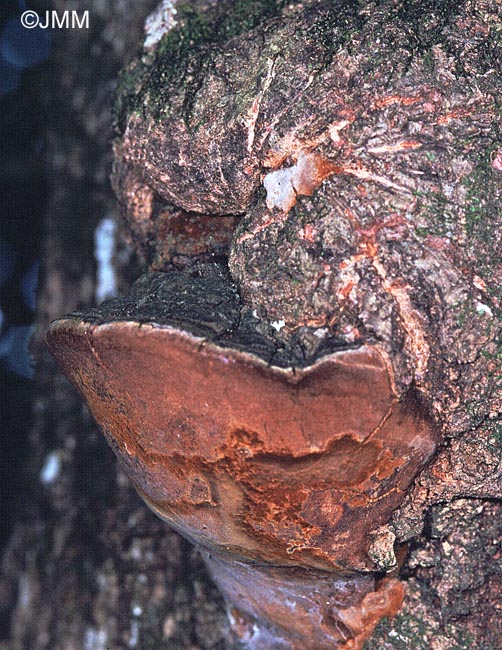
(340, 165)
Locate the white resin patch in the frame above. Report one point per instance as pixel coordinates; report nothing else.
(284, 185)
(280, 190)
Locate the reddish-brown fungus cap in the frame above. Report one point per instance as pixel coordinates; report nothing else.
(279, 464)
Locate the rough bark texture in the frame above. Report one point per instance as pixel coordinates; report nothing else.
(351, 153)
(360, 144)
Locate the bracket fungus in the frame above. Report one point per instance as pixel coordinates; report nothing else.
(293, 168)
(278, 467)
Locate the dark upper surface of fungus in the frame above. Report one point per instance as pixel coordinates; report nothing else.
(205, 302)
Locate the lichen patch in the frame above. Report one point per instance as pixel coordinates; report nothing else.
(159, 22)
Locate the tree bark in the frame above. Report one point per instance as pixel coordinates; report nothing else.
(359, 144)
(351, 157)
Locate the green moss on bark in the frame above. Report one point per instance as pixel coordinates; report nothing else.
(184, 53)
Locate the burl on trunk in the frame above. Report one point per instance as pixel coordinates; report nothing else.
(315, 188)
